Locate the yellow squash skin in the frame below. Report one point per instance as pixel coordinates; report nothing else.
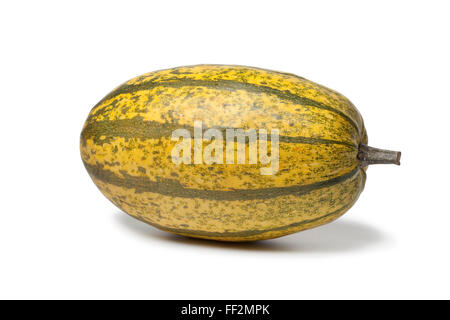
(126, 147)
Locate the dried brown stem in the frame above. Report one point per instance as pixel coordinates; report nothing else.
(368, 155)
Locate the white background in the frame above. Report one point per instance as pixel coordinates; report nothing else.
(60, 238)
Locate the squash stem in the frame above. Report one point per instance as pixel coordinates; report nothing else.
(369, 155)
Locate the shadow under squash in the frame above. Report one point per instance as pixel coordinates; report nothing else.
(339, 236)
